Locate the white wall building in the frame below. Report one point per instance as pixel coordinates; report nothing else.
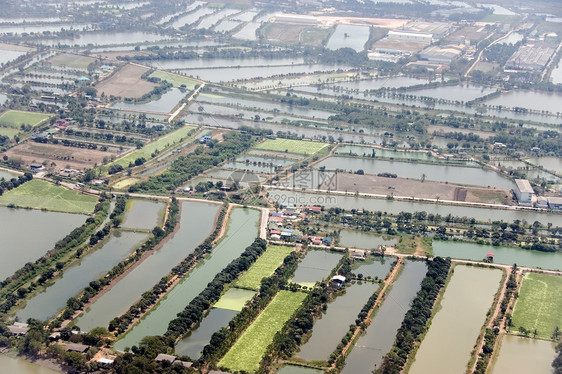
(524, 191)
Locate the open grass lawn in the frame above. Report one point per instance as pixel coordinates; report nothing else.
(234, 299)
(9, 132)
(264, 267)
(124, 183)
(176, 80)
(39, 194)
(71, 61)
(248, 351)
(158, 145)
(15, 118)
(539, 305)
(303, 147)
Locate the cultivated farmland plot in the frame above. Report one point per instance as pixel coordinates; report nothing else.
(264, 267)
(291, 146)
(16, 118)
(158, 145)
(38, 194)
(248, 351)
(539, 304)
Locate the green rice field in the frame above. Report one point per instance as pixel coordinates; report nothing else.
(539, 304)
(249, 349)
(174, 79)
(39, 194)
(264, 267)
(15, 118)
(158, 145)
(234, 299)
(303, 147)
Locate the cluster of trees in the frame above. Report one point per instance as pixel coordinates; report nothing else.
(193, 312)
(415, 321)
(12, 290)
(7, 185)
(120, 324)
(188, 166)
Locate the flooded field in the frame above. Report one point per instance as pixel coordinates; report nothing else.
(92, 266)
(447, 345)
(18, 247)
(242, 230)
(334, 324)
(196, 223)
(441, 173)
(518, 355)
(143, 214)
(315, 267)
(502, 255)
(371, 347)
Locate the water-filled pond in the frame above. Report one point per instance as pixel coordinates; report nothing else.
(143, 214)
(519, 355)
(46, 228)
(196, 223)
(371, 347)
(349, 36)
(441, 173)
(242, 231)
(164, 104)
(503, 255)
(364, 240)
(446, 347)
(334, 324)
(315, 267)
(91, 267)
(394, 206)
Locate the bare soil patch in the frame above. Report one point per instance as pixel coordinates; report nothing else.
(126, 82)
(403, 187)
(63, 157)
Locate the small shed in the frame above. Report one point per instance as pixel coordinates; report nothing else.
(357, 254)
(490, 256)
(205, 139)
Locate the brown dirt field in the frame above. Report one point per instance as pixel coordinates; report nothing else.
(415, 188)
(126, 82)
(63, 157)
